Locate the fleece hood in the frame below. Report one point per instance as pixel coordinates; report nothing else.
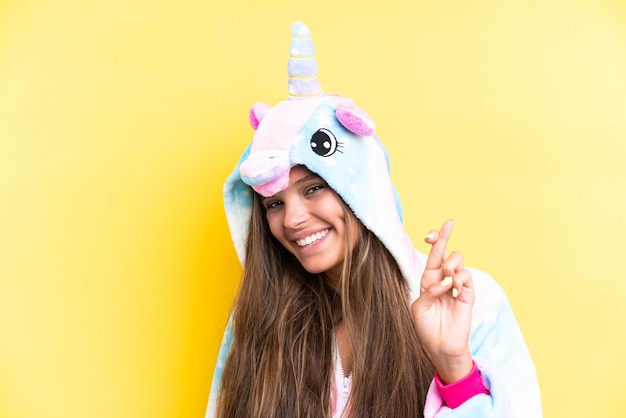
(332, 137)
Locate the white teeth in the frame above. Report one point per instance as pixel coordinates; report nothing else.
(312, 238)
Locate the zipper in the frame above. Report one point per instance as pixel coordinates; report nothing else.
(345, 391)
(346, 381)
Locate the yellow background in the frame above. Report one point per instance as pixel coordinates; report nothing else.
(119, 121)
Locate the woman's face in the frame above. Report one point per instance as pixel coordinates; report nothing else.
(308, 220)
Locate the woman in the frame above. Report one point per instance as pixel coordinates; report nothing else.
(337, 314)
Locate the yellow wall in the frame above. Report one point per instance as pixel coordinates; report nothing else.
(119, 121)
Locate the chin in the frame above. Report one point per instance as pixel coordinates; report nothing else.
(314, 269)
(325, 270)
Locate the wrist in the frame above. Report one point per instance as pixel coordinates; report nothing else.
(451, 369)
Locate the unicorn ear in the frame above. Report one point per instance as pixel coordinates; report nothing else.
(257, 112)
(355, 119)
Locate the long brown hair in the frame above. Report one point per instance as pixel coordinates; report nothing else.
(281, 362)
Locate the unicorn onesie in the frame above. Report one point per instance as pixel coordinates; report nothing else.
(333, 137)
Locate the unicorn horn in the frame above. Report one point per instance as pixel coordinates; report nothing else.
(302, 66)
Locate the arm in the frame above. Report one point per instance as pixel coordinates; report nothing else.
(500, 352)
(464, 318)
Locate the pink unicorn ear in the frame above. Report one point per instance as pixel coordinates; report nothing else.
(257, 112)
(355, 119)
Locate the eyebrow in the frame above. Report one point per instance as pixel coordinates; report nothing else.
(304, 179)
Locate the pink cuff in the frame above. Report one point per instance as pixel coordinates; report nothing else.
(458, 392)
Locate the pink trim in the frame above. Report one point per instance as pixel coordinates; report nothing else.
(460, 391)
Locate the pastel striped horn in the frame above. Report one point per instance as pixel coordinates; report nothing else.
(302, 66)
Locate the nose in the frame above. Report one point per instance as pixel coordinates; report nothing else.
(296, 213)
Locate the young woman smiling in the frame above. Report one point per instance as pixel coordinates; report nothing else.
(337, 314)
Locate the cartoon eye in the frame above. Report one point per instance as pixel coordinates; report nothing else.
(324, 143)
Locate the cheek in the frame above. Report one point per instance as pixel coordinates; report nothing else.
(355, 231)
(275, 223)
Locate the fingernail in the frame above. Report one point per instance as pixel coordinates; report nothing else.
(430, 236)
(455, 292)
(445, 282)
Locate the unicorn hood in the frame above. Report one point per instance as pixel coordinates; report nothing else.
(331, 136)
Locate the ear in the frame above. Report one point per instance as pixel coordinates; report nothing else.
(355, 119)
(257, 112)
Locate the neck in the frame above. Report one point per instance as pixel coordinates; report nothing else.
(333, 278)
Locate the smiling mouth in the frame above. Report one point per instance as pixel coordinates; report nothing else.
(311, 239)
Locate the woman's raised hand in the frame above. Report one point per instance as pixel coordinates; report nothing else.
(443, 312)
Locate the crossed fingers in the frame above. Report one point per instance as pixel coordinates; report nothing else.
(444, 270)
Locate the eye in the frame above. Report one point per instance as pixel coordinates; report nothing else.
(315, 188)
(272, 204)
(324, 143)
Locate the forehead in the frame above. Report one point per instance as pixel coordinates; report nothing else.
(299, 171)
(300, 174)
